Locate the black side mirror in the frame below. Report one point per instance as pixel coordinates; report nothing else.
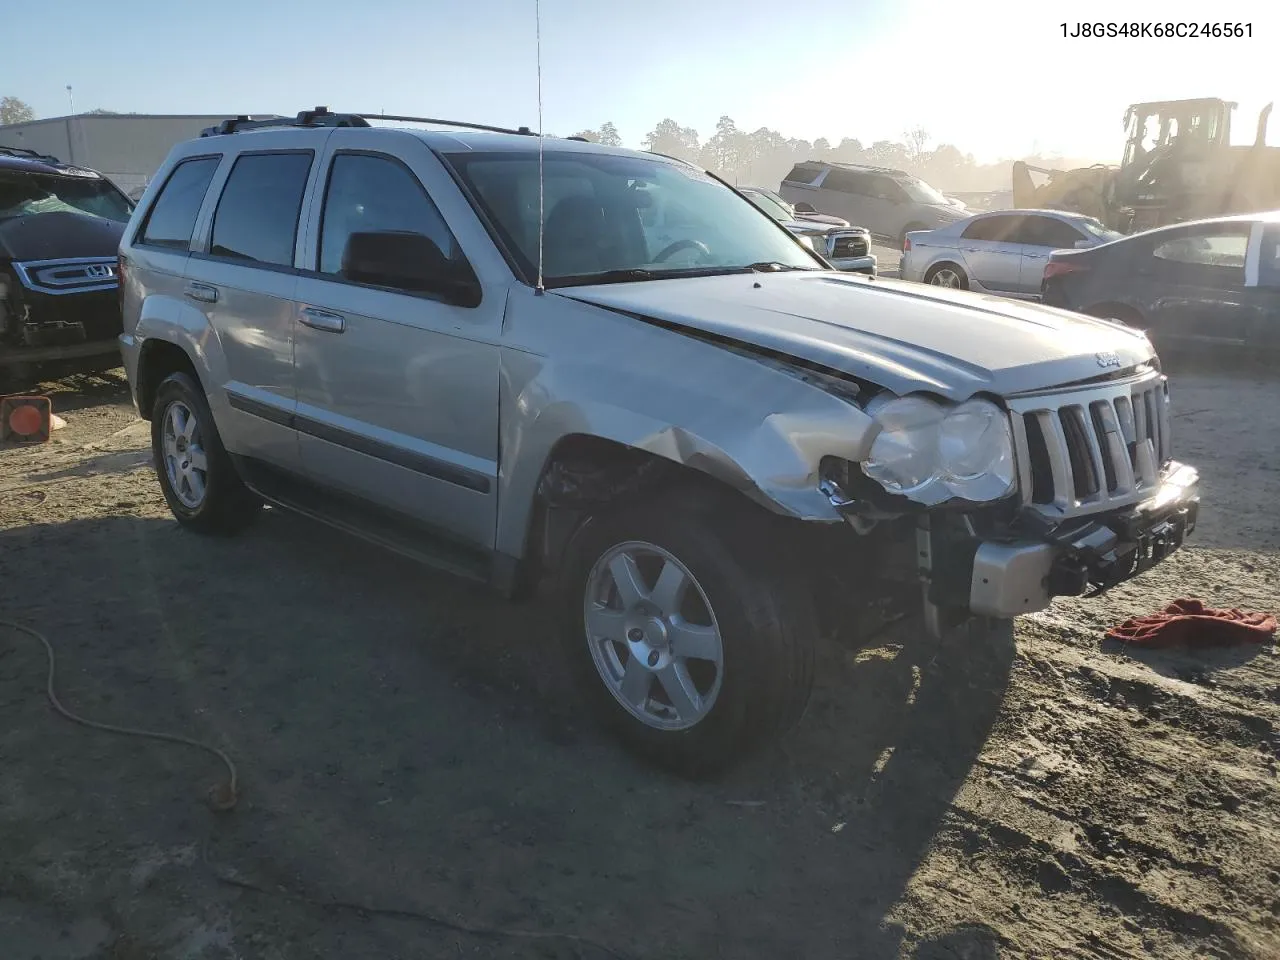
(408, 261)
(803, 207)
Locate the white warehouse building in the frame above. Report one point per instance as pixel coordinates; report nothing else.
(127, 147)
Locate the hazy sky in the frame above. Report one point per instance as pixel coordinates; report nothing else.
(995, 78)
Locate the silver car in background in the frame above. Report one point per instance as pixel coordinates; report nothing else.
(1004, 252)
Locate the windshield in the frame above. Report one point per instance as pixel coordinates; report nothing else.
(921, 192)
(769, 205)
(26, 194)
(1096, 228)
(611, 217)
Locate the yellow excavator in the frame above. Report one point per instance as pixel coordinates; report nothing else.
(1178, 164)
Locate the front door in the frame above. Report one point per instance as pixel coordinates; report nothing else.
(397, 391)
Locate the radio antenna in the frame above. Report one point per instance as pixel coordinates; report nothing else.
(537, 16)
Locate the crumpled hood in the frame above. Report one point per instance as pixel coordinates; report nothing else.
(61, 235)
(900, 335)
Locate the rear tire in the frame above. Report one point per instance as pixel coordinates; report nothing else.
(708, 656)
(196, 475)
(947, 275)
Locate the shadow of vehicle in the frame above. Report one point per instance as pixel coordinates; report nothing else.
(406, 740)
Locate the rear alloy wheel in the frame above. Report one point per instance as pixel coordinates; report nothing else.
(687, 644)
(947, 275)
(196, 475)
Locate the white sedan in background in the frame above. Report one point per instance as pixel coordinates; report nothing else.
(1003, 252)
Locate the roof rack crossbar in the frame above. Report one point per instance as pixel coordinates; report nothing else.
(321, 117)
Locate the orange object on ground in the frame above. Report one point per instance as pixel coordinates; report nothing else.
(26, 419)
(1189, 623)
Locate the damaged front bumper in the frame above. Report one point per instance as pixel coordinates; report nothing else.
(1018, 565)
(1004, 578)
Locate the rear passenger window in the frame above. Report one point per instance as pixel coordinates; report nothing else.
(173, 215)
(845, 181)
(257, 216)
(800, 174)
(376, 194)
(1048, 232)
(996, 229)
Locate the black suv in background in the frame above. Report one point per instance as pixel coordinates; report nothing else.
(60, 229)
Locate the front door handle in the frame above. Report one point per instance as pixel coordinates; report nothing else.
(323, 320)
(202, 292)
(1036, 256)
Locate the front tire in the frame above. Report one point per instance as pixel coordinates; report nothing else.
(196, 475)
(689, 646)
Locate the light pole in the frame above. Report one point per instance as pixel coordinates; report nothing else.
(71, 98)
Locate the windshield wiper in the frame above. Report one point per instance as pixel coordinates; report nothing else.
(636, 274)
(773, 266)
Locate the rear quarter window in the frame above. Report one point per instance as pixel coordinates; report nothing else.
(172, 217)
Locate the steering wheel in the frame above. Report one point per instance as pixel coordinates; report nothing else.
(679, 245)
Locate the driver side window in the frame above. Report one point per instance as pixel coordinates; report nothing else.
(376, 194)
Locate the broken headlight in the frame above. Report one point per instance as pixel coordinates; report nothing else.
(931, 452)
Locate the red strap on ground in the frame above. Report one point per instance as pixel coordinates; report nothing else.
(1189, 623)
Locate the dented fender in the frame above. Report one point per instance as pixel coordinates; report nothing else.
(746, 422)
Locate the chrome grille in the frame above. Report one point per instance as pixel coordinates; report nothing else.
(1092, 449)
(847, 245)
(68, 276)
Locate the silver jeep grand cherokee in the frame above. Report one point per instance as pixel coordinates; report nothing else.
(710, 452)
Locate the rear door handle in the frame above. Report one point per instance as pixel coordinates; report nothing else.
(323, 320)
(202, 292)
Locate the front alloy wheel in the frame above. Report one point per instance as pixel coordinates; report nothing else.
(699, 643)
(653, 636)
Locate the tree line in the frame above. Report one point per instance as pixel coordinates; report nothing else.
(763, 157)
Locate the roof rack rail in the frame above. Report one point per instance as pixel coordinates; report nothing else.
(321, 117)
(27, 154)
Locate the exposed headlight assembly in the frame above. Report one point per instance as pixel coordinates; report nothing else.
(931, 453)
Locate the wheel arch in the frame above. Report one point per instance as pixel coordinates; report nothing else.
(943, 262)
(585, 454)
(169, 329)
(157, 359)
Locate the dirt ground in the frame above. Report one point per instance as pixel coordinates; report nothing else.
(410, 743)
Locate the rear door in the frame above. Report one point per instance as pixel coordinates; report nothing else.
(1040, 236)
(242, 275)
(1198, 277)
(992, 253)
